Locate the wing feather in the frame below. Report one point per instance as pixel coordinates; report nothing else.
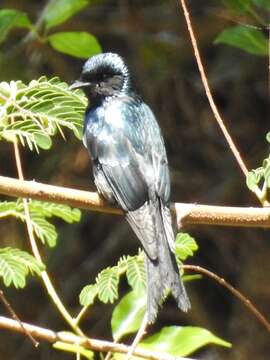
(126, 143)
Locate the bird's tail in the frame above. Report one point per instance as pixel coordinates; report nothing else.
(163, 276)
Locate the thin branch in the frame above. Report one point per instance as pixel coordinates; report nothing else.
(16, 318)
(140, 333)
(252, 308)
(258, 192)
(185, 213)
(44, 275)
(208, 91)
(93, 344)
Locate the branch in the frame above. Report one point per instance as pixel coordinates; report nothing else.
(208, 91)
(252, 308)
(16, 318)
(185, 213)
(93, 344)
(258, 192)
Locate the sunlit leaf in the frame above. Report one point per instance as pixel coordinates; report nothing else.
(136, 273)
(58, 11)
(185, 246)
(88, 294)
(29, 133)
(248, 39)
(181, 341)
(79, 44)
(107, 285)
(15, 265)
(39, 110)
(39, 211)
(254, 177)
(266, 167)
(11, 208)
(44, 230)
(48, 209)
(128, 314)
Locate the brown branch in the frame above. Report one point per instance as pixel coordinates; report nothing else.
(185, 213)
(252, 308)
(75, 198)
(93, 344)
(16, 318)
(208, 91)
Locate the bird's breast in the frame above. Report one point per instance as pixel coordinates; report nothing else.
(104, 133)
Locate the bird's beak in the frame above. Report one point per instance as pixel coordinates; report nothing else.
(78, 84)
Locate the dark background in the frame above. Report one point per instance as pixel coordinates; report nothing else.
(152, 37)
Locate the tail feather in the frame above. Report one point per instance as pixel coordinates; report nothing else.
(152, 223)
(163, 273)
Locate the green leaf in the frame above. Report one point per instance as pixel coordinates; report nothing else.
(58, 11)
(107, 285)
(185, 246)
(44, 230)
(23, 257)
(28, 133)
(136, 273)
(266, 166)
(248, 39)
(76, 349)
(39, 211)
(254, 177)
(11, 208)
(128, 314)
(181, 341)
(63, 212)
(268, 137)
(79, 44)
(88, 294)
(10, 18)
(35, 112)
(262, 3)
(15, 265)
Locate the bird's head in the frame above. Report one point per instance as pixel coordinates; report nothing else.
(103, 75)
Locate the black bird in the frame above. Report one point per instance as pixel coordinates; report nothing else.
(130, 169)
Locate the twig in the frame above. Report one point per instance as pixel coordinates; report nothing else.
(193, 214)
(16, 318)
(93, 344)
(44, 275)
(234, 291)
(208, 91)
(141, 332)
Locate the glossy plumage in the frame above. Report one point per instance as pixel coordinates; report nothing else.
(131, 169)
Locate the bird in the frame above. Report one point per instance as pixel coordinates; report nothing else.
(130, 169)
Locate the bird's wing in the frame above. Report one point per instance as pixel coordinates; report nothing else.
(132, 158)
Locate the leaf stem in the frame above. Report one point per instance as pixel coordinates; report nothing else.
(78, 318)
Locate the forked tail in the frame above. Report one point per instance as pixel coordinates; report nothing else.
(163, 275)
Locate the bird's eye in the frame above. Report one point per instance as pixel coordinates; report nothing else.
(105, 76)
